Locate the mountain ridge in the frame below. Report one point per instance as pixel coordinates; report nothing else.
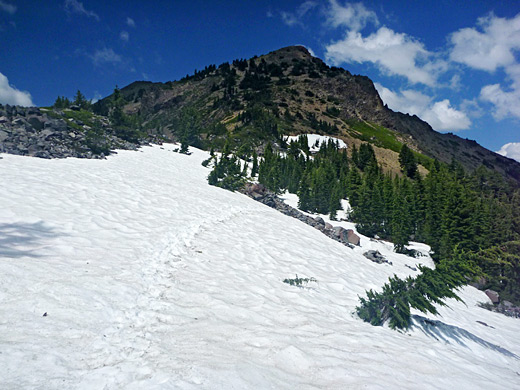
(298, 90)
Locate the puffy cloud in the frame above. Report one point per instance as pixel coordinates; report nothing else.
(352, 16)
(105, 56)
(10, 95)
(511, 150)
(440, 115)
(506, 103)
(124, 35)
(7, 7)
(295, 18)
(394, 54)
(490, 49)
(76, 7)
(130, 22)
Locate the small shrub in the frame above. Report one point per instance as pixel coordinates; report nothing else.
(299, 282)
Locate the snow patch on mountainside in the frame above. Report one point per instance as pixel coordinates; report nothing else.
(315, 141)
(133, 272)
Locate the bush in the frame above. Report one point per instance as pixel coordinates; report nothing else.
(299, 282)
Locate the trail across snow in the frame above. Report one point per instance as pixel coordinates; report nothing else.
(151, 279)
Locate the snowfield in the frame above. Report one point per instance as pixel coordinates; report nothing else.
(134, 273)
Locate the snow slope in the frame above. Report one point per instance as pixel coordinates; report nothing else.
(152, 279)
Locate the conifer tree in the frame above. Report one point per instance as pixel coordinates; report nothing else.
(254, 169)
(407, 162)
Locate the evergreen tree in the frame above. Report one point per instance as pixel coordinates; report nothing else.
(407, 162)
(254, 170)
(81, 101)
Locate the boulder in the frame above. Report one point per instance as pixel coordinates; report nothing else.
(375, 256)
(319, 221)
(339, 232)
(328, 226)
(493, 296)
(18, 122)
(352, 237)
(46, 133)
(479, 283)
(35, 122)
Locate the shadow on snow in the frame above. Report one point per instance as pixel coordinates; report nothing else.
(23, 239)
(453, 334)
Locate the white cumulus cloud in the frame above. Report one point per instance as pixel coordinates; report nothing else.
(130, 22)
(511, 150)
(394, 53)
(489, 49)
(493, 44)
(7, 7)
(441, 115)
(10, 95)
(352, 16)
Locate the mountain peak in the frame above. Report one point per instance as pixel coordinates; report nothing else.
(289, 52)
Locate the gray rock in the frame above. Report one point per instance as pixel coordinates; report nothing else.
(319, 221)
(352, 237)
(35, 122)
(493, 296)
(3, 136)
(46, 133)
(376, 257)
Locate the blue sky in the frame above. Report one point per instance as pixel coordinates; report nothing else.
(455, 64)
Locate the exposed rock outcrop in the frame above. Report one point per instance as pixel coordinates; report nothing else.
(261, 194)
(31, 131)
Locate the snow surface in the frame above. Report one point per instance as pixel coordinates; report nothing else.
(152, 279)
(312, 138)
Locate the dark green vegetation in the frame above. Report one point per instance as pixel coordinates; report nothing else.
(431, 287)
(299, 282)
(445, 209)
(461, 216)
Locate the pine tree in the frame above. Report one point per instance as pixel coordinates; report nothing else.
(81, 101)
(304, 194)
(335, 201)
(407, 162)
(254, 170)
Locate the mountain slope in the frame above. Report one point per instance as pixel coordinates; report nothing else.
(289, 92)
(151, 278)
